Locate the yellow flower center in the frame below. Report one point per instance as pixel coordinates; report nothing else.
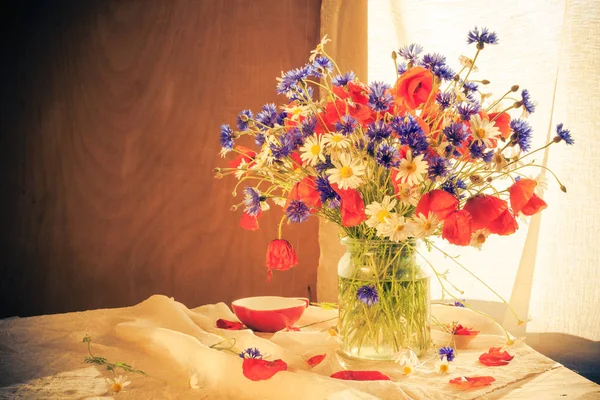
(382, 215)
(480, 133)
(405, 193)
(411, 167)
(427, 225)
(407, 369)
(481, 238)
(117, 387)
(297, 111)
(315, 149)
(444, 368)
(399, 228)
(346, 172)
(337, 138)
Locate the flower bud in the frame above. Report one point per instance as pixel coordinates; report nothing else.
(394, 56)
(556, 139)
(280, 256)
(218, 175)
(489, 179)
(514, 88)
(485, 82)
(563, 188)
(216, 170)
(234, 207)
(480, 45)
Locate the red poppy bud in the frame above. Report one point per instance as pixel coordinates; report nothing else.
(257, 369)
(281, 256)
(352, 206)
(439, 202)
(457, 228)
(523, 199)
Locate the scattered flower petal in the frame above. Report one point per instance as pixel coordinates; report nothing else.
(495, 357)
(316, 360)
(230, 325)
(257, 369)
(361, 376)
(467, 382)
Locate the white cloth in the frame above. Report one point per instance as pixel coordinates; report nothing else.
(171, 343)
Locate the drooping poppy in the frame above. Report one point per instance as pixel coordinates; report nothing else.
(250, 222)
(281, 256)
(439, 202)
(495, 357)
(306, 191)
(352, 206)
(523, 199)
(316, 360)
(467, 382)
(505, 224)
(361, 376)
(484, 209)
(229, 325)
(457, 228)
(257, 369)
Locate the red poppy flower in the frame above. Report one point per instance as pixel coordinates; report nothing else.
(505, 224)
(467, 382)
(462, 331)
(484, 209)
(246, 155)
(439, 202)
(249, 222)
(357, 91)
(306, 191)
(316, 360)
(414, 88)
(297, 160)
(361, 376)
(502, 123)
(523, 199)
(495, 357)
(229, 325)
(257, 369)
(281, 256)
(457, 228)
(352, 206)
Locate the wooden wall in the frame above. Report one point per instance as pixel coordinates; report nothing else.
(110, 114)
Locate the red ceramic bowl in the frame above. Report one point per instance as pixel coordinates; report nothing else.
(269, 313)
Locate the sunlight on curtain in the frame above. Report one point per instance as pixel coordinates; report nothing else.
(529, 54)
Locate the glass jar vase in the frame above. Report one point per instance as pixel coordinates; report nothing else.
(384, 300)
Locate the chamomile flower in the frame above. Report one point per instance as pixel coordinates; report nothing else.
(542, 184)
(118, 383)
(319, 49)
(412, 170)
(407, 360)
(479, 237)
(297, 111)
(425, 225)
(482, 130)
(396, 228)
(444, 366)
(336, 140)
(407, 195)
(280, 201)
(347, 172)
(312, 150)
(378, 212)
(241, 169)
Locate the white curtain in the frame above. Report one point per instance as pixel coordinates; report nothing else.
(549, 269)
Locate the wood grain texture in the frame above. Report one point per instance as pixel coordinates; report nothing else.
(109, 133)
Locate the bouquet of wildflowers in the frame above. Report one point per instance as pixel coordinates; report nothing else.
(429, 156)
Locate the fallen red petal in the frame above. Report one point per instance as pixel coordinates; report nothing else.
(462, 331)
(316, 360)
(494, 357)
(467, 382)
(231, 325)
(256, 369)
(361, 376)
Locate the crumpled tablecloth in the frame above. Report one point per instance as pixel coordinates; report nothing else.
(42, 357)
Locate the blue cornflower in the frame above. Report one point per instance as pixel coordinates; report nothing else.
(324, 63)
(410, 133)
(447, 352)
(477, 149)
(297, 211)
(326, 193)
(268, 116)
(563, 134)
(296, 136)
(378, 130)
(470, 86)
(379, 100)
(445, 100)
(280, 119)
(466, 110)
(444, 72)
(368, 295)
(301, 95)
(243, 118)
(433, 60)
(286, 146)
(346, 125)
(226, 137)
(251, 352)
(521, 133)
(517, 178)
(259, 139)
(325, 165)
(402, 68)
(482, 38)
(342, 80)
(455, 134)
(452, 185)
(438, 167)
(387, 156)
(411, 52)
(252, 201)
(458, 304)
(487, 157)
(528, 104)
(308, 126)
(291, 79)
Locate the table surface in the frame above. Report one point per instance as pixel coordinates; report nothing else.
(42, 357)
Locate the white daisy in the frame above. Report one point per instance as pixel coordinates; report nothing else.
(483, 130)
(479, 237)
(425, 225)
(297, 111)
(314, 53)
(396, 228)
(412, 170)
(280, 201)
(444, 366)
(407, 360)
(312, 150)
(542, 184)
(378, 212)
(241, 169)
(118, 384)
(347, 172)
(407, 195)
(336, 141)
